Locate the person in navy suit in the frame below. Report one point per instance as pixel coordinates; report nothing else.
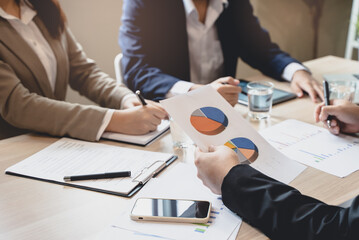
(173, 46)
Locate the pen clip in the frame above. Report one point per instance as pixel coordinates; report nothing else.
(148, 172)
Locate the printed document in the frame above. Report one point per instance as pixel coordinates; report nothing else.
(315, 146)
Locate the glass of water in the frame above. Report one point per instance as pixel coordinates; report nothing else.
(260, 96)
(179, 138)
(342, 89)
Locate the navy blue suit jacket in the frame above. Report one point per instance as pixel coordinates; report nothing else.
(153, 39)
(282, 212)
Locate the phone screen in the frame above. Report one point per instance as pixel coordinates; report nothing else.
(171, 208)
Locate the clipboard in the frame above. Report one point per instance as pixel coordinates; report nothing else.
(33, 166)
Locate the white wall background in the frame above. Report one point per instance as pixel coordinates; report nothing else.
(95, 24)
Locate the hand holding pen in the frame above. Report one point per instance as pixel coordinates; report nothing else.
(137, 100)
(345, 116)
(229, 88)
(137, 120)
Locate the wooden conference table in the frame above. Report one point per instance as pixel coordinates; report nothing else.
(32, 209)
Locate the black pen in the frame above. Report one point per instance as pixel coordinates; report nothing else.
(140, 98)
(98, 176)
(327, 101)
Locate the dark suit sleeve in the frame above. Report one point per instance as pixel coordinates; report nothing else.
(254, 45)
(140, 40)
(282, 212)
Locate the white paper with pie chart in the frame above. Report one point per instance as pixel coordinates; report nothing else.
(209, 120)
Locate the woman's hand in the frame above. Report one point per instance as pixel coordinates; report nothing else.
(137, 120)
(346, 116)
(130, 102)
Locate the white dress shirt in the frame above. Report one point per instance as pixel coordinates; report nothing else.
(32, 35)
(205, 52)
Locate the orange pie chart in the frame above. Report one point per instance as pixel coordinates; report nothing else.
(246, 150)
(209, 120)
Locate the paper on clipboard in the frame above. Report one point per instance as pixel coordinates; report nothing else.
(68, 157)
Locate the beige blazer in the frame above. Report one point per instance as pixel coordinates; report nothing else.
(27, 102)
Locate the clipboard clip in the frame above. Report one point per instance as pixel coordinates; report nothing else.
(148, 172)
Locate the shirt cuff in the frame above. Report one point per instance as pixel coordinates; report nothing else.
(290, 69)
(105, 122)
(125, 98)
(178, 88)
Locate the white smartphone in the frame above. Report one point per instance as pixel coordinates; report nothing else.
(171, 210)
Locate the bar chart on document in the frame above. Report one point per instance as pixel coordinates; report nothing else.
(315, 146)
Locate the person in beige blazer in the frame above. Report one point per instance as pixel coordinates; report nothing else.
(39, 58)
